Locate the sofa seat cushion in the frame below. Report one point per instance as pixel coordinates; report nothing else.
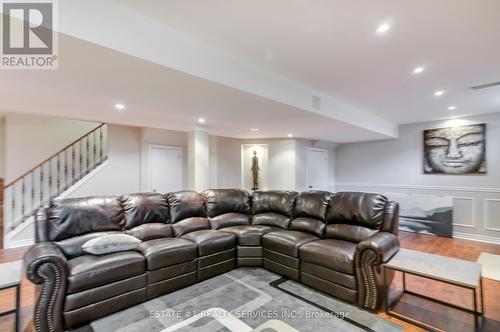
(287, 242)
(271, 219)
(90, 271)
(337, 255)
(165, 252)
(250, 235)
(151, 231)
(211, 241)
(72, 247)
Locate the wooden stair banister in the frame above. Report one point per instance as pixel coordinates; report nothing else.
(52, 156)
(54, 175)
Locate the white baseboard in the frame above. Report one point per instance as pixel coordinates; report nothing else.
(477, 237)
(19, 243)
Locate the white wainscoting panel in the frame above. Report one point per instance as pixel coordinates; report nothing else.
(476, 210)
(492, 214)
(464, 210)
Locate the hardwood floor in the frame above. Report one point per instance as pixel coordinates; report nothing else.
(448, 319)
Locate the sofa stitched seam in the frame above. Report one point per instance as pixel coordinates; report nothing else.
(44, 297)
(369, 279)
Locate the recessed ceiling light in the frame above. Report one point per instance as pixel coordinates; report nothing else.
(201, 120)
(451, 108)
(383, 28)
(290, 135)
(439, 93)
(120, 106)
(254, 129)
(418, 70)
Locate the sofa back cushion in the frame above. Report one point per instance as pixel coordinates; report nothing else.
(355, 208)
(273, 207)
(187, 212)
(275, 201)
(76, 216)
(220, 201)
(355, 216)
(309, 212)
(186, 204)
(144, 208)
(312, 204)
(227, 207)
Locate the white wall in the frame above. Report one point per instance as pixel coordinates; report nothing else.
(287, 160)
(30, 139)
(281, 161)
(396, 166)
(122, 172)
(128, 160)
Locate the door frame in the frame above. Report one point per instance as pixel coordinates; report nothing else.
(307, 166)
(150, 162)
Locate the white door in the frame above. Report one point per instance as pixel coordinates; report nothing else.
(165, 169)
(317, 169)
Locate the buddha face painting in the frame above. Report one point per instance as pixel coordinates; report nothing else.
(455, 150)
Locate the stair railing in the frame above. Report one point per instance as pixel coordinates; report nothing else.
(53, 176)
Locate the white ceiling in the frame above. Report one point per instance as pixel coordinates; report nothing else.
(331, 46)
(91, 78)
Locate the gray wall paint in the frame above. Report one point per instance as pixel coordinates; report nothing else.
(396, 166)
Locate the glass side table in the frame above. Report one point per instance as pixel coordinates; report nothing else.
(10, 277)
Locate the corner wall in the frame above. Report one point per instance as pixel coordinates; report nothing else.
(396, 166)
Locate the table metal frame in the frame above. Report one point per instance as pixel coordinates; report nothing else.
(478, 315)
(15, 311)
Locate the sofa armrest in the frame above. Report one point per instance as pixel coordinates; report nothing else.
(385, 245)
(369, 257)
(46, 265)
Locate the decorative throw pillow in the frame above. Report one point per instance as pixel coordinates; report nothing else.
(107, 244)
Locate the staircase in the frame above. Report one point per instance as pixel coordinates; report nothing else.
(52, 178)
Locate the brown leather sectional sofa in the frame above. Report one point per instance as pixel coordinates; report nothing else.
(333, 242)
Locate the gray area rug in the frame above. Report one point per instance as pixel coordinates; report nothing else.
(243, 300)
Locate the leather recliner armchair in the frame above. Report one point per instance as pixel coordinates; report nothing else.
(335, 243)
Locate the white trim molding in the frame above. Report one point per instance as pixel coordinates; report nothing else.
(421, 187)
(19, 243)
(476, 237)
